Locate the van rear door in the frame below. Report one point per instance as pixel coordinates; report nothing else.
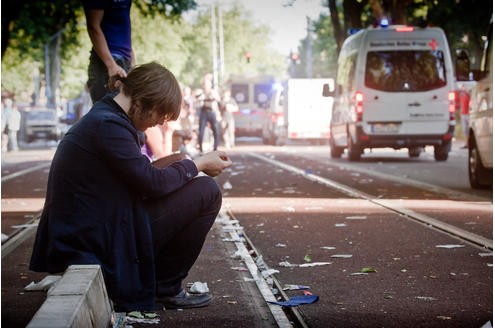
(406, 86)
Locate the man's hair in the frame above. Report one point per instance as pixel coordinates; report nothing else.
(155, 87)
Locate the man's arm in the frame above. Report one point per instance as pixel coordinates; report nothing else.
(93, 22)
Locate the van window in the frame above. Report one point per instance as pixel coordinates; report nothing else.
(404, 71)
(346, 74)
(240, 93)
(262, 94)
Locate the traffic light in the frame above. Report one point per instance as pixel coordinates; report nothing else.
(248, 56)
(294, 57)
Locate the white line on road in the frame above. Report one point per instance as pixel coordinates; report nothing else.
(22, 172)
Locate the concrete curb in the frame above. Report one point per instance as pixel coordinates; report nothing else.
(79, 299)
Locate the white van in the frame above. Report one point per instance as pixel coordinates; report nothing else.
(394, 88)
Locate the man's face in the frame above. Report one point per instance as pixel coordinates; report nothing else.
(142, 119)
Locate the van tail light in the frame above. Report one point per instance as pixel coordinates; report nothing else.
(452, 97)
(404, 29)
(358, 99)
(278, 118)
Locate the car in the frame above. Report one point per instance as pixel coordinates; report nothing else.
(41, 123)
(480, 140)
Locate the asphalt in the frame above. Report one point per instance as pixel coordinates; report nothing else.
(237, 301)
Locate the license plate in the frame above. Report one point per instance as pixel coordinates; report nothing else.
(385, 128)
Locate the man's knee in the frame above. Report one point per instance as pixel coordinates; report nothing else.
(210, 191)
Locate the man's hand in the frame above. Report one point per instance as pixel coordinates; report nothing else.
(115, 72)
(213, 163)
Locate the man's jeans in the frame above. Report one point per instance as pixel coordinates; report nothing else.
(180, 222)
(208, 116)
(98, 75)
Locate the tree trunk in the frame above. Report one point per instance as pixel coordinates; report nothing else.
(337, 27)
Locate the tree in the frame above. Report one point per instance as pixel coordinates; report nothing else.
(464, 21)
(184, 46)
(36, 29)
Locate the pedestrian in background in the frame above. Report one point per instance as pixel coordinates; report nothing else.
(209, 112)
(464, 99)
(144, 223)
(13, 126)
(6, 110)
(228, 106)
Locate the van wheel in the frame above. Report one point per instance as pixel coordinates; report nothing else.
(480, 177)
(414, 152)
(335, 152)
(353, 151)
(442, 152)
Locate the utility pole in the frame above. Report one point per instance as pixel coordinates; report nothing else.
(214, 46)
(52, 68)
(309, 49)
(220, 37)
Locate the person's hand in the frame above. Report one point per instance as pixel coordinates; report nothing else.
(213, 163)
(115, 72)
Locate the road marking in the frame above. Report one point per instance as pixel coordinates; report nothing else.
(26, 171)
(434, 223)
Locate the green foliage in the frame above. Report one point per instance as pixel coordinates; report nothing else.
(185, 47)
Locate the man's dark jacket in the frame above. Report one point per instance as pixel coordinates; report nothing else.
(94, 213)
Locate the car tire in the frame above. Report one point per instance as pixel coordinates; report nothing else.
(335, 152)
(353, 151)
(480, 177)
(414, 152)
(441, 152)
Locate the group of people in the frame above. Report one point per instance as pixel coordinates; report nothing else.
(142, 219)
(201, 109)
(11, 124)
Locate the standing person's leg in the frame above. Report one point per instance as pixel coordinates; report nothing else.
(180, 222)
(465, 128)
(202, 126)
(212, 118)
(12, 140)
(97, 77)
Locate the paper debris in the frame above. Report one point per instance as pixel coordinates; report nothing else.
(328, 247)
(43, 284)
(488, 324)
(294, 287)
(280, 245)
(307, 265)
(304, 265)
(241, 269)
(449, 246)
(356, 217)
(286, 264)
(199, 288)
(485, 254)
(340, 225)
(342, 256)
(426, 298)
(227, 185)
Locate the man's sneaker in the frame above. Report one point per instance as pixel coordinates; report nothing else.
(184, 300)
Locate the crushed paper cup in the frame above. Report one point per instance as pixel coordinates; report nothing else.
(199, 288)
